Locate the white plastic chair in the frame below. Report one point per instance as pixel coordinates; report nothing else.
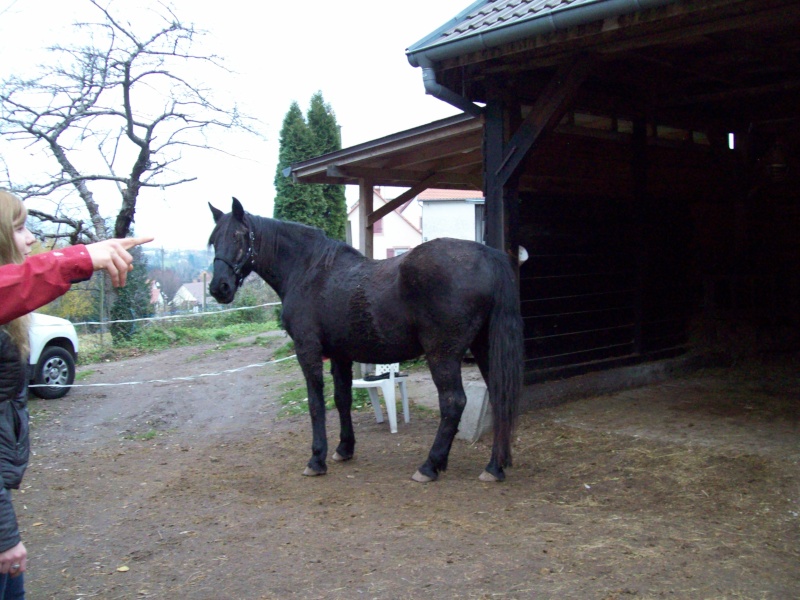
(387, 386)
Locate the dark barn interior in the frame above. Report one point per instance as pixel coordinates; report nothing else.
(646, 156)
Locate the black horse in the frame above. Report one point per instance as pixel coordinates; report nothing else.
(440, 299)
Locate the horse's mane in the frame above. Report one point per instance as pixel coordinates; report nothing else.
(322, 249)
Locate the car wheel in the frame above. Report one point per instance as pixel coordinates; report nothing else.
(55, 367)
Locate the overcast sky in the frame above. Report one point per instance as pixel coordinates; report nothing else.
(351, 50)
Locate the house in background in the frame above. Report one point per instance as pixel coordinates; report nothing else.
(190, 296)
(434, 213)
(452, 213)
(156, 297)
(395, 233)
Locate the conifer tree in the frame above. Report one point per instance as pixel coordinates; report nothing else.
(297, 202)
(322, 206)
(133, 300)
(327, 138)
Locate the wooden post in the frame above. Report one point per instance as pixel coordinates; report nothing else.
(493, 146)
(103, 319)
(503, 154)
(639, 176)
(365, 198)
(205, 287)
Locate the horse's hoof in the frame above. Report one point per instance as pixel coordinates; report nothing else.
(339, 458)
(420, 478)
(309, 472)
(488, 477)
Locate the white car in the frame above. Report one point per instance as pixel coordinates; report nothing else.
(54, 350)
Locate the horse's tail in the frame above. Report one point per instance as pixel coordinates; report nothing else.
(505, 359)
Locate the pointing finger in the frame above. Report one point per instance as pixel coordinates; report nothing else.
(128, 243)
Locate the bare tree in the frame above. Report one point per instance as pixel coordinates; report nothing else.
(125, 97)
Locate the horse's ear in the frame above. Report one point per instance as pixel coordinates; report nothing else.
(238, 210)
(216, 212)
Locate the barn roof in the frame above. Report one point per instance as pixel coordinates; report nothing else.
(708, 61)
(491, 23)
(445, 152)
(706, 65)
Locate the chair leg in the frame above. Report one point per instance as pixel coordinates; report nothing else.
(376, 404)
(404, 395)
(391, 407)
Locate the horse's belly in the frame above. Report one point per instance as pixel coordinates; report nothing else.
(375, 351)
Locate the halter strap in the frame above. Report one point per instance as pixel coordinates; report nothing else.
(248, 259)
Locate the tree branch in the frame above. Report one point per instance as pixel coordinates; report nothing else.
(95, 116)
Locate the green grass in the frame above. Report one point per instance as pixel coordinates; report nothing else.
(286, 350)
(294, 397)
(294, 394)
(142, 437)
(159, 336)
(83, 375)
(259, 340)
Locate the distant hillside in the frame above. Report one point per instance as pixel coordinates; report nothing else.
(188, 264)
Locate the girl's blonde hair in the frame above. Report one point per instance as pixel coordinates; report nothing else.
(13, 215)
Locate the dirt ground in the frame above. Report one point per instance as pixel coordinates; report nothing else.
(193, 489)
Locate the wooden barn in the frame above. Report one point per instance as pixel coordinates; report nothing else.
(644, 152)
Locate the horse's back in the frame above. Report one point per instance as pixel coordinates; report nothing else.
(445, 262)
(452, 280)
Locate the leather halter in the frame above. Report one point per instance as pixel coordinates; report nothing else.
(248, 259)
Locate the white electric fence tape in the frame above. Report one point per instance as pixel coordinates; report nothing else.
(171, 379)
(186, 316)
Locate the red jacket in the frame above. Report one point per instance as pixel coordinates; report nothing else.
(41, 279)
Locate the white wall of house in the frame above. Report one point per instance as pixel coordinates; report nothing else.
(448, 218)
(433, 214)
(398, 232)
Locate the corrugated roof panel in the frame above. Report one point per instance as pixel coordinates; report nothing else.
(499, 13)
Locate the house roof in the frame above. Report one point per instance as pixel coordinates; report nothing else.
(433, 194)
(155, 292)
(196, 289)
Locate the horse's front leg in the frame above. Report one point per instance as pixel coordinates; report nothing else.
(312, 370)
(446, 375)
(342, 372)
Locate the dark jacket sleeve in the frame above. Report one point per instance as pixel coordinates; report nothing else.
(14, 435)
(41, 279)
(9, 531)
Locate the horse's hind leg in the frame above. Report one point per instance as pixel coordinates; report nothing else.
(480, 350)
(446, 375)
(342, 372)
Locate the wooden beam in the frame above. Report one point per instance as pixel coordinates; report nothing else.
(400, 177)
(448, 153)
(401, 199)
(546, 113)
(738, 93)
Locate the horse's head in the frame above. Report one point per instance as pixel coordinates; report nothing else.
(233, 242)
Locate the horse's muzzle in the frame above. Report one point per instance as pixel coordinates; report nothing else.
(222, 291)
